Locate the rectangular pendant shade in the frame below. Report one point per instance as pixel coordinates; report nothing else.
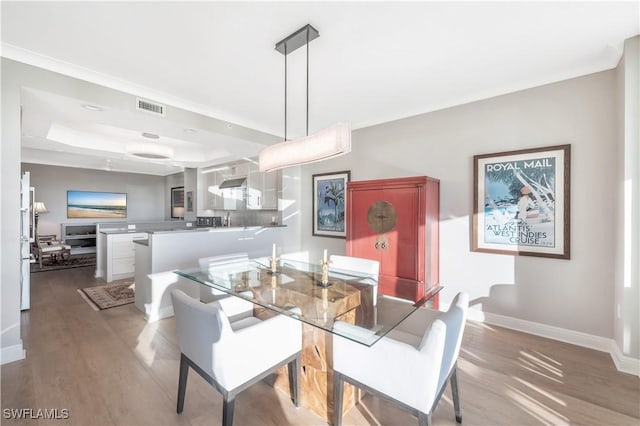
(328, 143)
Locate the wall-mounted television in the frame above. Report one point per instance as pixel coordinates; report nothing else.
(93, 205)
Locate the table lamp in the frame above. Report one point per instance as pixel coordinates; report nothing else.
(38, 208)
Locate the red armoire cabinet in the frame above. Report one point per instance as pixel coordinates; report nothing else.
(396, 221)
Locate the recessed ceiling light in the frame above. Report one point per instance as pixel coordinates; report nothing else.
(150, 151)
(213, 169)
(91, 107)
(150, 135)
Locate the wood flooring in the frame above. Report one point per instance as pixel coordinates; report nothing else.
(112, 368)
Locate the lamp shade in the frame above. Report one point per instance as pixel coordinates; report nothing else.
(328, 143)
(39, 207)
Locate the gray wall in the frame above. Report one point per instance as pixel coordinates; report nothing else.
(145, 193)
(574, 294)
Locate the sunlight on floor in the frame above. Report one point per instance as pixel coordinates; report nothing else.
(482, 325)
(534, 361)
(535, 408)
(145, 348)
(470, 368)
(541, 355)
(532, 368)
(541, 392)
(467, 353)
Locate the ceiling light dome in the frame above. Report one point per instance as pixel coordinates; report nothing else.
(150, 151)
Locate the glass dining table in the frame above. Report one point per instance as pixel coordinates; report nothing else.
(325, 304)
(348, 296)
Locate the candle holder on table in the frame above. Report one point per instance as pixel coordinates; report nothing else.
(273, 261)
(324, 281)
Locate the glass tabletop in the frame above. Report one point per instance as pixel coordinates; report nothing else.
(347, 296)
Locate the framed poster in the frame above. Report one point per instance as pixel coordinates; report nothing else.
(521, 202)
(329, 204)
(96, 205)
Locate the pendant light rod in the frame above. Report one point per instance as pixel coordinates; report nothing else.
(307, 130)
(285, 93)
(299, 38)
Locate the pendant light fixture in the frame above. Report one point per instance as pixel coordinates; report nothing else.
(328, 143)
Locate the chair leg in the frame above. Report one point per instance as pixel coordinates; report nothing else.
(338, 390)
(294, 380)
(455, 393)
(182, 382)
(424, 419)
(228, 402)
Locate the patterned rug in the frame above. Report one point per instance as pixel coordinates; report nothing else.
(109, 296)
(75, 261)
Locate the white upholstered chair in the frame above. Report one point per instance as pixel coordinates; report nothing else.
(233, 306)
(231, 356)
(410, 366)
(344, 266)
(208, 294)
(371, 268)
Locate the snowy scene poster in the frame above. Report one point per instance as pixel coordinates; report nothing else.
(521, 202)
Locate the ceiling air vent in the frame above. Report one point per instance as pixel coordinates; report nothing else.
(149, 106)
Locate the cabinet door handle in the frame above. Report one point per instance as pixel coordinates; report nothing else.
(384, 245)
(377, 245)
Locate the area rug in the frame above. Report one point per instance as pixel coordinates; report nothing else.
(109, 296)
(75, 261)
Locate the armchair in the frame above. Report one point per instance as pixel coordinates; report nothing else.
(233, 306)
(49, 247)
(410, 366)
(223, 352)
(367, 315)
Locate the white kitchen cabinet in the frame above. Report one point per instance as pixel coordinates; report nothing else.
(260, 192)
(121, 254)
(262, 189)
(270, 190)
(212, 194)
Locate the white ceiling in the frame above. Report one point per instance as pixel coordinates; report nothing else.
(373, 62)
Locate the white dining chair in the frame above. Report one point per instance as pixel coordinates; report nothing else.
(344, 267)
(231, 356)
(369, 268)
(234, 306)
(410, 365)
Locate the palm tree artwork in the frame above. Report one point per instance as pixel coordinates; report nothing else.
(331, 211)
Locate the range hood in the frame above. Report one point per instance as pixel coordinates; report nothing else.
(233, 183)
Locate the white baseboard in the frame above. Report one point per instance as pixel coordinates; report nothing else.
(12, 353)
(622, 362)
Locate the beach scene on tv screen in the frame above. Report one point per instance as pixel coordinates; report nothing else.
(83, 204)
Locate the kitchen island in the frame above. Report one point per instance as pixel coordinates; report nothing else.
(166, 250)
